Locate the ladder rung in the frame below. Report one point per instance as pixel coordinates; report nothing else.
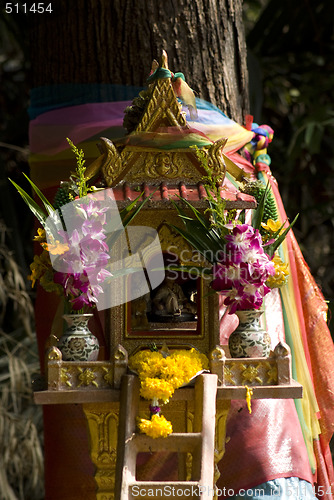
(200, 443)
(181, 442)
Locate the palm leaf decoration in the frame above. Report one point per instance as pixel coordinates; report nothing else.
(207, 235)
(199, 232)
(257, 216)
(127, 214)
(38, 212)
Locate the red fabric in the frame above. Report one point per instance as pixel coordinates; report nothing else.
(325, 486)
(69, 472)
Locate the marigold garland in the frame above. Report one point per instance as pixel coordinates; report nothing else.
(159, 376)
(158, 426)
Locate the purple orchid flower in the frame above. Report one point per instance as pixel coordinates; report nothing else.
(83, 266)
(243, 269)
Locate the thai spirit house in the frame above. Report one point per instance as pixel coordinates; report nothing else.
(155, 162)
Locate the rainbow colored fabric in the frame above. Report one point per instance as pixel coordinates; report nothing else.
(85, 123)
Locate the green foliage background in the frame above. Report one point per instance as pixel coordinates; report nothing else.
(291, 63)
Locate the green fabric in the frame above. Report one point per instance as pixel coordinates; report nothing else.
(164, 73)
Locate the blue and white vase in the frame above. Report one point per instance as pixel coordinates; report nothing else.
(249, 339)
(77, 342)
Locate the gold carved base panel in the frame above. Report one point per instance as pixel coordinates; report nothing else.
(102, 419)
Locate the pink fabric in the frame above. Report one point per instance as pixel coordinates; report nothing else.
(48, 132)
(268, 443)
(264, 445)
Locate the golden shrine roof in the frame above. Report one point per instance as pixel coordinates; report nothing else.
(156, 154)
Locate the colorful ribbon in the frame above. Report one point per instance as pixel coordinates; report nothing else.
(51, 159)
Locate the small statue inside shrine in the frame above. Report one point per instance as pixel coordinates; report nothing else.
(170, 303)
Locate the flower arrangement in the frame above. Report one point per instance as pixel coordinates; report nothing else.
(83, 268)
(245, 265)
(160, 373)
(242, 270)
(73, 264)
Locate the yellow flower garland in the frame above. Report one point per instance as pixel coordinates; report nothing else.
(159, 376)
(158, 426)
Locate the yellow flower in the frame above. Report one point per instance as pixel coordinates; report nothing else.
(49, 285)
(39, 266)
(41, 269)
(271, 226)
(156, 388)
(40, 236)
(281, 275)
(249, 394)
(55, 248)
(158, 426)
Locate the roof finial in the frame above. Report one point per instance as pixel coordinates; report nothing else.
(164, 60)
(155, 65)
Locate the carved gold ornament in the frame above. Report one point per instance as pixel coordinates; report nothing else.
(250, 374)
(87, 377)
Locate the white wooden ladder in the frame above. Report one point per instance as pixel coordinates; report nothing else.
(200, 443)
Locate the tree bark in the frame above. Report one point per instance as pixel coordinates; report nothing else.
(103, 41)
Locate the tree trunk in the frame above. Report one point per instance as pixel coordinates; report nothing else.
(103, 41)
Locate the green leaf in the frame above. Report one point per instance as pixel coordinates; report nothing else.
(199, 233)
(127, 214)
(203, 220)
(49, 208)
(258, 212)
(130, 211)
(309, 133)
(122, 272)
(200, 241)
(273, 247)
(35, 209)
